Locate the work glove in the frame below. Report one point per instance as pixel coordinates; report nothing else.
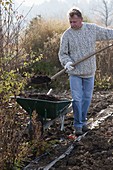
(68, 66)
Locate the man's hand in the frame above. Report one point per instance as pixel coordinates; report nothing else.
(68, 66)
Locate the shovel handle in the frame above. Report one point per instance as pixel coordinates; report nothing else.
(94, 53)
(58, 74)
(81, 60)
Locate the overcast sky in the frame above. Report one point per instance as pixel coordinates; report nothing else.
(31, 2)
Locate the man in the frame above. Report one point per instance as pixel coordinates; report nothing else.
(77, 42)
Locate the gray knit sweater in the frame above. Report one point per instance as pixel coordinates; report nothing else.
(76, 44)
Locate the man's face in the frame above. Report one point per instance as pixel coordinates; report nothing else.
(75, 22)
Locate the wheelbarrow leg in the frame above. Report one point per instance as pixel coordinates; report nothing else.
(30, 130)
(62, 117)
(40, 119)
(30, 125)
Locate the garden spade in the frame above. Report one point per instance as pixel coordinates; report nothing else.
(45, 79)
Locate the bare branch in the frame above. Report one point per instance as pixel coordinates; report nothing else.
(105, 12)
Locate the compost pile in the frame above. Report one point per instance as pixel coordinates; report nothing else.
(44, 97)
(93, 152)
(41, 96)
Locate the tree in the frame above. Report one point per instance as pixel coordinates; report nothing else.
(104, 12)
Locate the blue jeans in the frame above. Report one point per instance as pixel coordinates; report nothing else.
(81, 91)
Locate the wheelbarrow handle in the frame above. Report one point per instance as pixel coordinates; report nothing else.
(79, 61)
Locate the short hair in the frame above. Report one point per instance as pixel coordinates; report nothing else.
(75, 11)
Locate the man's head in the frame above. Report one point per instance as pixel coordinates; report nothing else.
(75, 18)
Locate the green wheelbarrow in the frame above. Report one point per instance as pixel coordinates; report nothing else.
(47, 111)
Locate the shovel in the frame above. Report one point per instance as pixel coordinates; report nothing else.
(45, 79)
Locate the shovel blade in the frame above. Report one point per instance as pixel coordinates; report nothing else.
(40, 79)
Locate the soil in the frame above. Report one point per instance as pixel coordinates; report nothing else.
(40, 79)
(93, 151)
(44, 97)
